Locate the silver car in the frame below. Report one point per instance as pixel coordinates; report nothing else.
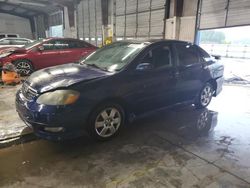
(14, 42)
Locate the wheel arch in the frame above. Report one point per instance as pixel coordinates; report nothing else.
(116, 100)
(214, 84)
(13, 61)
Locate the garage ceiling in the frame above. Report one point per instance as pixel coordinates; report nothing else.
(29, 8)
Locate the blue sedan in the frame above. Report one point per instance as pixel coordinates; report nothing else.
(116, 84)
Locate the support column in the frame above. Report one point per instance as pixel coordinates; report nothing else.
(172, 25)
(69, 16)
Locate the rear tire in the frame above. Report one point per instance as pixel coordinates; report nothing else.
(106, 121)
(205, 96)
(24, 67)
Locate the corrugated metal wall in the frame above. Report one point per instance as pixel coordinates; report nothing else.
(138, 18)
(40, 26)
(131, 19)
(14, 24)
(56, 18)
(238, 13)
(224, 13)
(89, 21)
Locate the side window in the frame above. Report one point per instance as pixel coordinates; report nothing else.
(56, 45)
(78, 44)
(49, 45)
(159, 57)
(73, 44)
(83, 44)
(5, 42)
(62, 44)
(12, 36)
(187, 54)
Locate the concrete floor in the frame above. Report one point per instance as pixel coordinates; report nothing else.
(236, 70)
(182, 147)
(10, 124)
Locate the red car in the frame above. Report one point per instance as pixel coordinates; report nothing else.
(45, 53)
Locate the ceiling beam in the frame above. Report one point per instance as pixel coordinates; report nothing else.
(28, 9)
(16, 14)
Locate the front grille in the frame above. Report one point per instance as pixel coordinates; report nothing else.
(28, 92)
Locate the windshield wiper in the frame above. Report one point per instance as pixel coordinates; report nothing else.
(95, 66)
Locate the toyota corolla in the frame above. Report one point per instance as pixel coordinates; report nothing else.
(117, 83)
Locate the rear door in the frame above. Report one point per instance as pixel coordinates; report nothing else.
(85, 48)
(189, 73)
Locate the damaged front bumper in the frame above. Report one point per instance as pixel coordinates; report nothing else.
(50, 122)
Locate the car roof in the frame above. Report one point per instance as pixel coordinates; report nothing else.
(14, 38)
(151, 41)
(9, 34)
(61, 38)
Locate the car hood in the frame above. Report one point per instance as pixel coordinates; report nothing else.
(11, 50)
(62, 76)
(7, 49)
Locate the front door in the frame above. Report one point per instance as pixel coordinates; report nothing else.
(49, 56)
(155, 87)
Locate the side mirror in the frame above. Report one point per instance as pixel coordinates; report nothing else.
(144, 67)
(217, 57)
(41, 48)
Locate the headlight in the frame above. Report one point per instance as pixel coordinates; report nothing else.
(4, 55)
(59, 97)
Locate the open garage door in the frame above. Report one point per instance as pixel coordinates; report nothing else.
(138, 18)
(223, 13)
(89, 21)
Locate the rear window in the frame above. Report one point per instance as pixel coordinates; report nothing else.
(203, 53)
(82, 44)
(2, 36)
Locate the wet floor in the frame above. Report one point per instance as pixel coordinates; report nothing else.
(10, 124)
(181, 147)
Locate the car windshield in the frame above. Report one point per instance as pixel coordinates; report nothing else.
(32, 44)
(113, 57)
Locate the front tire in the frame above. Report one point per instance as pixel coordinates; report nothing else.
(205, 96)
(24, 67)
(106, 121)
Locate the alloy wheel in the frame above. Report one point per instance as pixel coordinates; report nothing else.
(206, 95)
(24, 68)
(108, 122)
(202, 121)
